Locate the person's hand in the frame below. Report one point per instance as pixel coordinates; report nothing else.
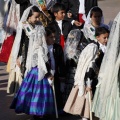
(69, 15)
(50, 80)
(87, 89)
(18, 62)
(77, 23)
(51, 77)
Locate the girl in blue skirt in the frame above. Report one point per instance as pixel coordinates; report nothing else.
(35, 95)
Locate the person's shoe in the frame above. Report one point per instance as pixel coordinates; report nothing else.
(37, 117)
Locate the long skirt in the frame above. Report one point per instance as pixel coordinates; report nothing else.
(34, 97)
(77, 105)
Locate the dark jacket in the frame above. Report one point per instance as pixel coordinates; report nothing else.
(73, 7)
(60, 72)
(59, 60)
(66, 27)
(24, 4)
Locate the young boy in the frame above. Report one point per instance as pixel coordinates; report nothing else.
(56, 63)
(61, 26)
(86, 75)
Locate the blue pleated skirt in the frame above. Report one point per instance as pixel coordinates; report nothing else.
(34, 97)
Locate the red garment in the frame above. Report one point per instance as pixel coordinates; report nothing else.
(6, 49)
(62, 41)
(80, 18)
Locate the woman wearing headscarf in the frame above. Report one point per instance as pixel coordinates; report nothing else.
(10, 25)
(106, 103)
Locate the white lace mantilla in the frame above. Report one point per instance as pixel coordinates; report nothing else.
(37, 50)
(86, 59)
(89, 31)
(12, 19)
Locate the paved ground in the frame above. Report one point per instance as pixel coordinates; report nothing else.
(110, 9)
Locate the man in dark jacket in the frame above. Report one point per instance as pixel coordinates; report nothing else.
(73, 6)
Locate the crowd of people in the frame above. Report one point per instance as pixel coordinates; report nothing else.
(59, 58)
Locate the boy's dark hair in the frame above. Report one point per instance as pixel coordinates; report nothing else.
(96, 9)
(57, 7)
(101, 30)
(49, 31)
(33, 9)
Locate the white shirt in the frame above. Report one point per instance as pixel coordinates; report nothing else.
(60, 25)
(102, 47)
(50, 49)
(82, 6)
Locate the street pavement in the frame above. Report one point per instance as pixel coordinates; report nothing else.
(110, 9)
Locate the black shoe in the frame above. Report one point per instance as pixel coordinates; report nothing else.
(37, 117)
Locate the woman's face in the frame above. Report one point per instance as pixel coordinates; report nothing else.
(96, 18)
(34, 18)
(50, 39)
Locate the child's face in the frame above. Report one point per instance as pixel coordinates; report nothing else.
(50, 39)
(34, 18)
(103, 38)
(96, 18)
(60, 15)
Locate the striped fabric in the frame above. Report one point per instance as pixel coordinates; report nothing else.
(34, 97)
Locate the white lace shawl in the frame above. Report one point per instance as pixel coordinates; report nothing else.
(37, 52)
(12, 19)
(86, 59)
(73, 39)
(37, 49)
(109, 72)
(89, 31)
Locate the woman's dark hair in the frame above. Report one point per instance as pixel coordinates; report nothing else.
(96, 9)
(57, 7)
(101, 30)
(49, 31)
(33, 9)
